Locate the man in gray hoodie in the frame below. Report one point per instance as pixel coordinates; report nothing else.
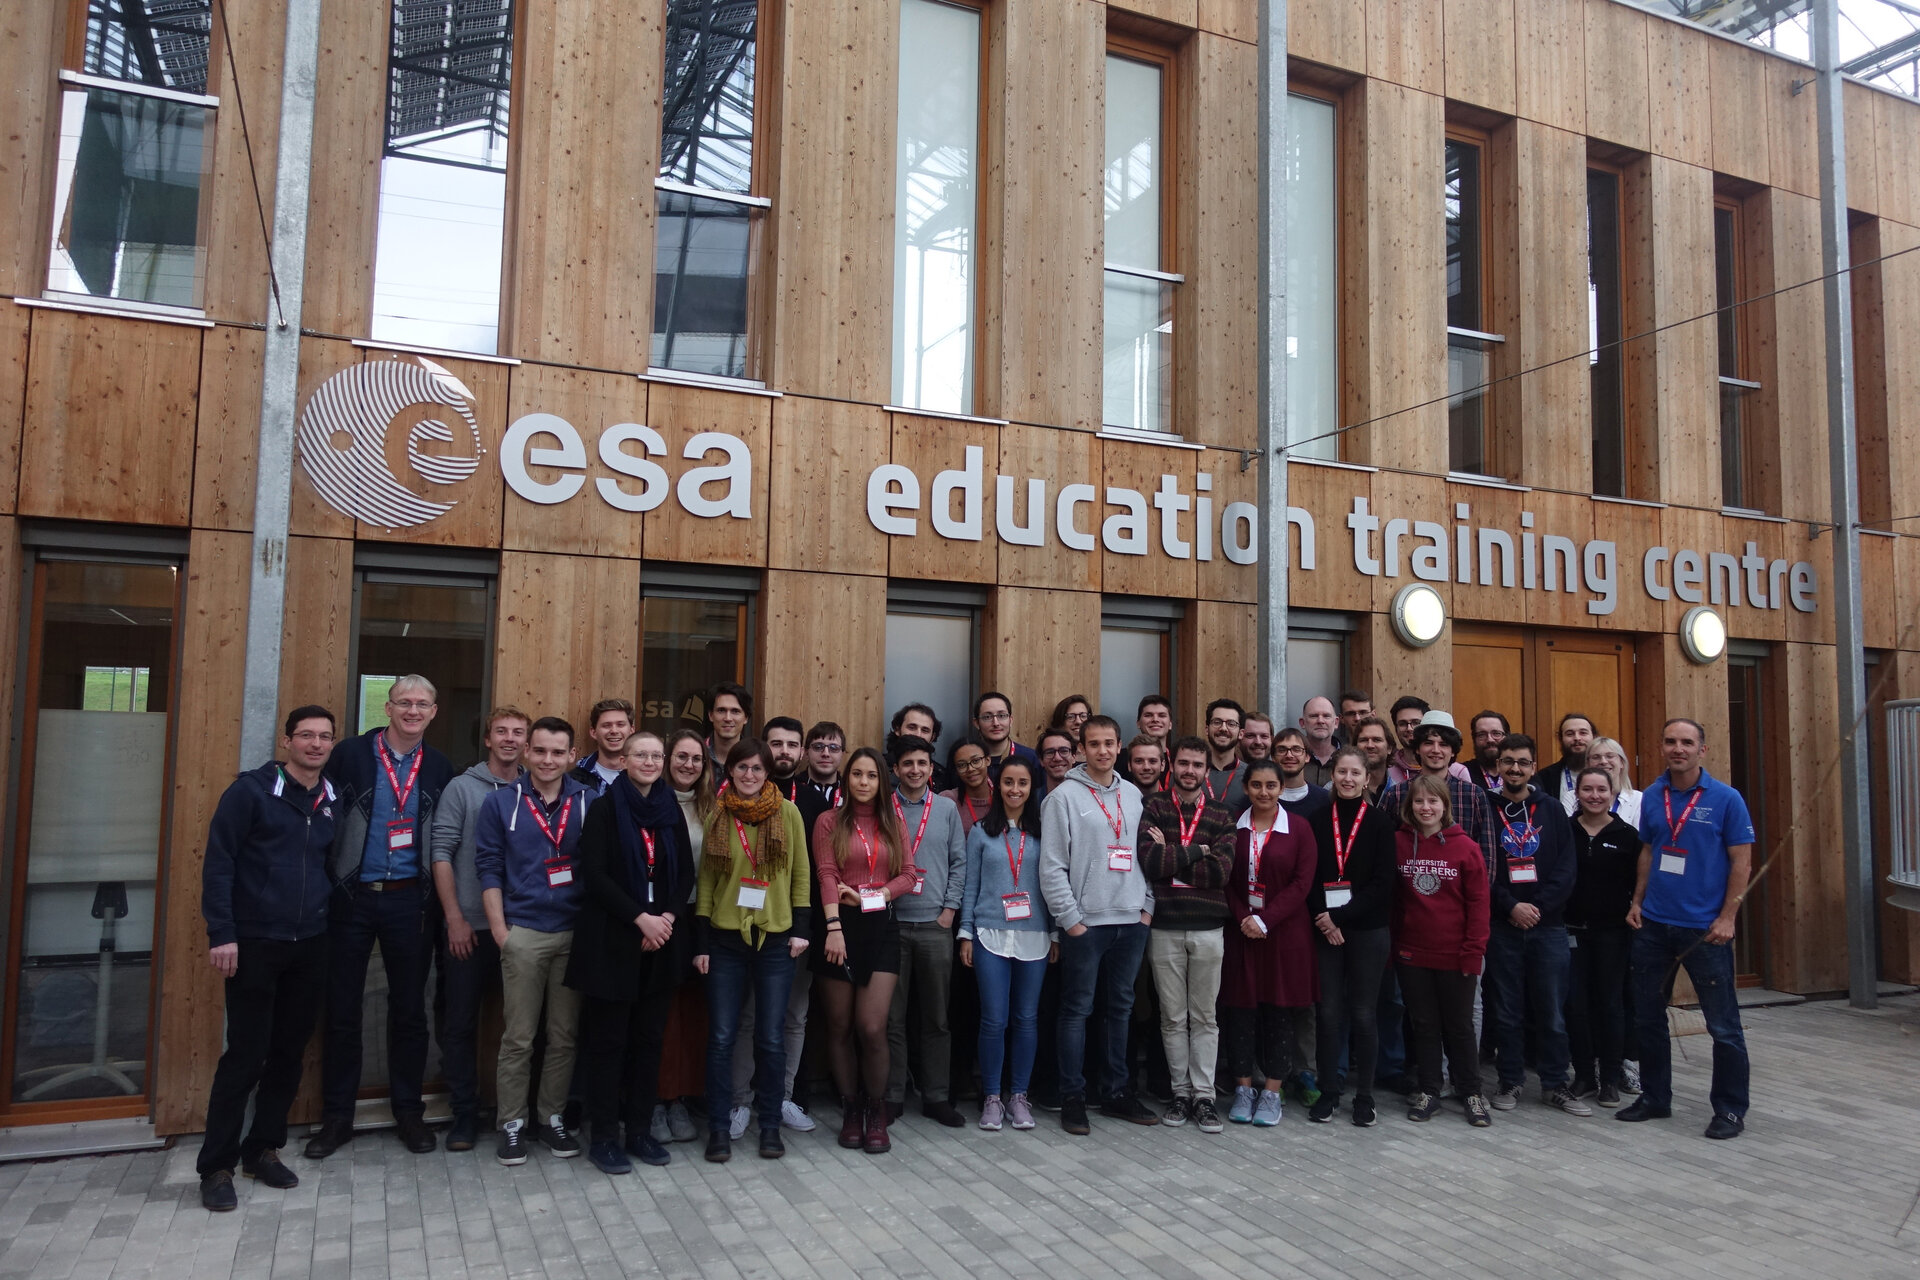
(469, 960)
(937, 848)
(1099, 898)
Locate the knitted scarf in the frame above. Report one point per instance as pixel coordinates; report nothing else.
(763, 811)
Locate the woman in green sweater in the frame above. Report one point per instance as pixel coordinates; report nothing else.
(751, 909)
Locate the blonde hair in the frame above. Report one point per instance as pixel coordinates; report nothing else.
(1622, 783)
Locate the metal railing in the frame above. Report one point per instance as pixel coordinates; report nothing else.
(1903, 788)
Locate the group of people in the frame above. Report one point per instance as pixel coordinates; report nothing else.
(1318, 910)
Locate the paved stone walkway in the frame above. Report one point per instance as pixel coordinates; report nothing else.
(1816, 1188)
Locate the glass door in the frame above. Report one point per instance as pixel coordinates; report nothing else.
(100, 696)
(1747, 773)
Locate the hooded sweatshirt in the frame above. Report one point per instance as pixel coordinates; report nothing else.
(265, 874)
(511, 853)
(454, 821)
(1081, 824)
(1440, 908)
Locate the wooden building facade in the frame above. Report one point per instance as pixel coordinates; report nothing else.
(1499, 184)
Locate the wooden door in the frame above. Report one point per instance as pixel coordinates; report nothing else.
(1533, 677)
(1491, 670)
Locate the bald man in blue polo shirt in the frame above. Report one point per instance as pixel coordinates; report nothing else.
(1695, 860)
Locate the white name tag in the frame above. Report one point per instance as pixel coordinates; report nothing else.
(1522, 873)
(559, 876)
(753, 895)
(1339, 895)
(873, 900)
(1119, 858)
(1258, 902)
(1674, 864)
(919, 881)
(1018, 905)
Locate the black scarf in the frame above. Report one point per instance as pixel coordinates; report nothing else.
(657, 811)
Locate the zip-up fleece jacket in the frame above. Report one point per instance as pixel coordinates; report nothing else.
(941, 858)
(1555, 868)
(352, 768)
(511, 854)
(454, 821)
(265, 873)
(1074, 841)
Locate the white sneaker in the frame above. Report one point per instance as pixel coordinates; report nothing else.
(740, 1118)
(660, 1129)
(680, 1123)
(795, 1117)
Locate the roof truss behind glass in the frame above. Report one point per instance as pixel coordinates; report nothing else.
(1879, 39)
(162, 43)
(707, 115)
(449, 81)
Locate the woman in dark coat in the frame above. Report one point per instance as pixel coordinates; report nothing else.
(1269, 971)
(631, 945)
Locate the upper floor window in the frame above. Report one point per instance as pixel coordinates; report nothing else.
(1605, 327)
(443, 176)
(136, 137)
(1738, 487)
(1469, 345)
(1137, 375)
(936, 206)
(1313, 279)
(709, 220)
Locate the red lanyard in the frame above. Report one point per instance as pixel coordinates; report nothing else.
(972, 817)
(1208, 783)
(1528, 832)
(1118, 824)
(925, 813)
(556, 836)
(1187, 828)
(1256, 843)
(319, 792)
(400, 793)
(873, 860)
(1342, 848)
(746, 848)
(1015, 862)
(647, 836)
(1675, 828)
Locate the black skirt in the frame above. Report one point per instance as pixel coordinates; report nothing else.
(873, 944)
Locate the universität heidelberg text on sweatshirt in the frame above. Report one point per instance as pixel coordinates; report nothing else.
(1440, 908)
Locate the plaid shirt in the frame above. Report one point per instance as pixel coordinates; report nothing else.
(1471, 809)
(1202, 867)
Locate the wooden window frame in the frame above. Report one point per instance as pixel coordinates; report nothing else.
(1165, 59)
(1755, 408)
(1482, 141)
(1335, 99)
(1618, 172)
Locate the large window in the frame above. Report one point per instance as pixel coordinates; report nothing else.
(710, 221)
(1136, 655)
(1313, 279)
(99, 696)
(936, 206)
(1469, 345)
(933, 654)
(1737, 488)
(1605, 320)
(1137, 375)
(694, 627)
(432, 624)
(136, 136)
(443, 178)
(1316, 660)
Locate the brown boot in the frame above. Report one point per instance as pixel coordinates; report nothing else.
(853, 1112)
(877, 1142)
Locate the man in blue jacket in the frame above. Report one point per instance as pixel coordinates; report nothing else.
(529, 884)
(1528, 962)
(389, 782)
(263, 892)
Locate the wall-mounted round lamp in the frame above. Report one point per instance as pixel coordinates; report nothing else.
(1703, 636)
(1419, 615)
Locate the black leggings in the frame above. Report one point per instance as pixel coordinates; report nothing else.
(1440, 1004)
(1259, 1042)
(1349, 1004)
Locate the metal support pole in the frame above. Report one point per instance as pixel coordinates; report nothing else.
(1856, 822)
(279, 388)
(1271, 615)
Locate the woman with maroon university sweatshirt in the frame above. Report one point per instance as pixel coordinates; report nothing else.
(1440, 942)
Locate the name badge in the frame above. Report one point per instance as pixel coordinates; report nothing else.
(1522, 871)
(1180, 884)
(1673, 860)
(873, 900)
(1573, 941)
(559, 874)
(400, 834)
(1119, 858)
(1339, 894)
(1257, 898)
(1018, 905)
(753, 894)
(919, 880)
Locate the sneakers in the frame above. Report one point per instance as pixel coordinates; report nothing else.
(1630, 1076)
(606, 1156)
(795, 1117)
(267, 1169)
(1178, 1112)
(1506, 1097)
(1608, 1096)
(1565, 1099)
(661, 1128)
(679, 1123)
(1422, 1106)
(1640, 1109)
(992, 1113)
(1020, 1111)
(1303, 1086)
(1363, 1112)
(1206, 1117)
(1266, 1112)
(737, 1121)
(1073, 1116)
(1127, 1106)
(217, 1193)
(513, 1143)
(554, 1137)
(1321, 1112)
(647, 1150)
(1242, 1110)
(1725, 1125)
(1477, 1114)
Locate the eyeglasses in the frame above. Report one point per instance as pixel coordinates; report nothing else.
(412, 705)
(995, 717)
(307, 736)
(1290, 751)
(968, 766)
(1055, 753)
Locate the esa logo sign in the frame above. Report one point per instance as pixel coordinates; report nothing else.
(354, 419)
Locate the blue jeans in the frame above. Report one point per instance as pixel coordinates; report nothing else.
(1527, 975)
(733, 968)
(1009, 995)
(397, 921)
(1109, 952)
(1710, 966)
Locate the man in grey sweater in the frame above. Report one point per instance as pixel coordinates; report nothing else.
(468, 956)
(937, 848)
(1099, 898)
